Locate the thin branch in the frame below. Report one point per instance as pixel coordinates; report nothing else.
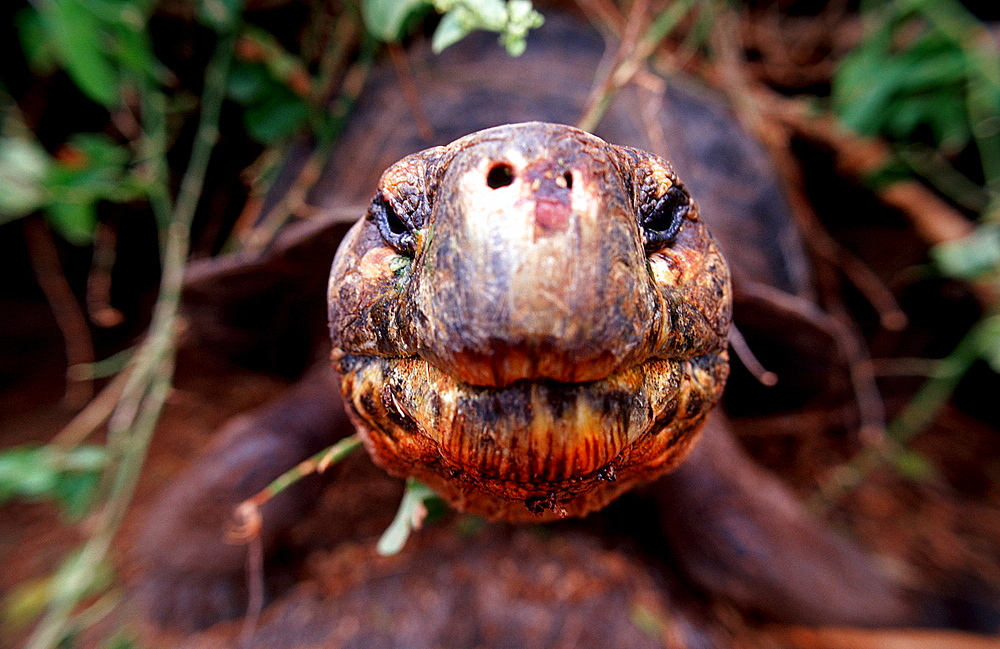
(256, 595)
(99, 279)
(146, 388)
(247, 518)
(69, 316)
(752, 110)
(742, 350)
(923, 407)
(631, 55)
(94, 414)
(604, 15)
(401, 63)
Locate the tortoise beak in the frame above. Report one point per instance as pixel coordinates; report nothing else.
(535, 267)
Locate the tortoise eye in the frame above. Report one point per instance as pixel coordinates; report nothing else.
(661, 218)
(394, 230)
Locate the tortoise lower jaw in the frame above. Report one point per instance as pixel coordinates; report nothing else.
(531, 448)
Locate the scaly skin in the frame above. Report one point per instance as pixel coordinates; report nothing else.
(530, 320)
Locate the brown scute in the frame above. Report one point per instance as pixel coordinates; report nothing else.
(530, 361)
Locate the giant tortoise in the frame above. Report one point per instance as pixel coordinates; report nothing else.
(532, 320)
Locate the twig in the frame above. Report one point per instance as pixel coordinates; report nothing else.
(401, 63)
(931, 165)
(604, 15)
(256, 231)
(937, 389)
(145, 391)
(859, 157)
(262, 234)
(94, 414)
(869, 401)
(68, 314)
(255, 587)
(247, 519)
(631, 56)
(749, 360)
(99, 280)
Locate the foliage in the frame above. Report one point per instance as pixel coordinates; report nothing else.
(68, 186)
(388, 20)
(273, 87)
(882, 88)
(410, 517)
(927, 74)
(100, 43)
(70, 475)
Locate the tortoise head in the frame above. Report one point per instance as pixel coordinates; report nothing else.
(530, 320)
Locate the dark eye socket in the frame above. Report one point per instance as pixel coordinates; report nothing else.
(661, 218)
(391, 226)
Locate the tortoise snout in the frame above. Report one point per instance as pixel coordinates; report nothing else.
(537, 264)
(545, 184)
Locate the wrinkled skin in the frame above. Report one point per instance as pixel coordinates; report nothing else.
(530, 320)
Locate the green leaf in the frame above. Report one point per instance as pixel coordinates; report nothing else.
(277, 118)
(521, 18)
(219, 14)
(24, 165)
(25, 473)
(450, 30)
(77, 36)
(409, 517)
(105, 157)
(882, 88)
(90, 168)
(35, 43)
(75, 492)
(913, 465)
(248, 82)
(70, 477)
(385, 19)
(133, 50)
(970, 257)
(989, 341)
(511, 19)
(74, 220)
(89, 458)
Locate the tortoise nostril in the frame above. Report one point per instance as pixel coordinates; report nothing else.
(567, 180)
(500, 175)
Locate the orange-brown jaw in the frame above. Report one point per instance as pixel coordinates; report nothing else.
(530, 321)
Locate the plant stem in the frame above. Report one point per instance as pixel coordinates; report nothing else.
(247, 515)
(936, 390)
(149, 380)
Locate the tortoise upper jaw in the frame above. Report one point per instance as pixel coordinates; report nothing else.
(535, 268)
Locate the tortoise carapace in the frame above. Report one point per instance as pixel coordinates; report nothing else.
(530, 320)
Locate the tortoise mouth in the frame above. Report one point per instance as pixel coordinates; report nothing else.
(533, 441)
